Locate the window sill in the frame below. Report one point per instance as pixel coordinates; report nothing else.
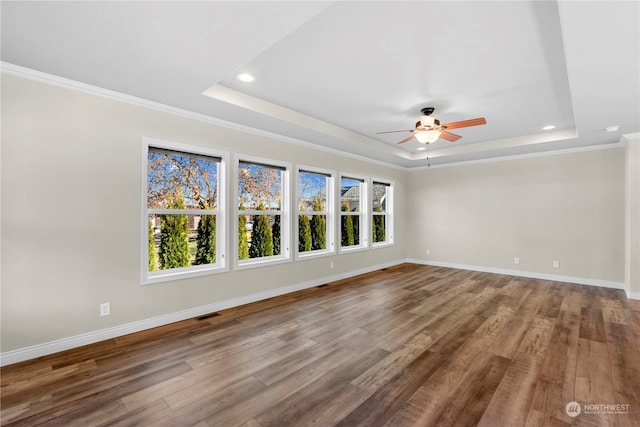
(260, 262)
(314, 254)
(379, 245)
(169, 276)
(350, 249)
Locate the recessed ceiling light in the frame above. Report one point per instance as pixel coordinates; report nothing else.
(549, 127)
(612, 128)
(245, 77)
(422, 148)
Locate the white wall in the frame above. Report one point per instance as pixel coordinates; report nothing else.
(632, 217)
(71, 206)
(566, 207)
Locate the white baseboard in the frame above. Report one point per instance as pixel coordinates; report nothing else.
(32, 352)
(632, 295)
(520, 273)
(38, 350)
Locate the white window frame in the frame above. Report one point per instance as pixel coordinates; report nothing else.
(364, 226)
(329, 213)
(388, 213)
(285, 212)
(221, 264)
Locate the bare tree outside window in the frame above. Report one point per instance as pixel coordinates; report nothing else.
(260, 193)
(182, 203)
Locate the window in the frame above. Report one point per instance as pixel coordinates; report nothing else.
(353, 227)
(263, 231)
(183, 213)
(381, 213)
(315, 212)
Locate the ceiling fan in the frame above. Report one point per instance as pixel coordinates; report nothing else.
(429, 129)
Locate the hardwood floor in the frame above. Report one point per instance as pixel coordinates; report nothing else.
(406, 346)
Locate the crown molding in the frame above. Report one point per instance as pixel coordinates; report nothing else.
(598, 147)
(27, 73)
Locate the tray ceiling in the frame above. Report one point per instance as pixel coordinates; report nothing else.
(335, 73)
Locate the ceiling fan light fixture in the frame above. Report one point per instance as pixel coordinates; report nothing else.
(427, 121)
(428, 129)
(427, 136)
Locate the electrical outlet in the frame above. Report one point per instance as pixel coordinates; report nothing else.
(428, 252)
(516, 260)
(556, 264)
(331, 265)
(105, 309)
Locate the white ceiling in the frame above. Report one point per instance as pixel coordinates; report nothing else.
(335, 73)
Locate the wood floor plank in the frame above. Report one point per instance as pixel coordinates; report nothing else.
(234, 348)
(388, 399)
(311, 401)
(538, 419)
(204, 406)
(470, 400)
(256, 404)
(88, 401)
(511, 402)
(210, 377)
(484, 298)
(572, 302)
(448, 377)
(382, 372)
(612, 311)
(390, 322)
(561, 359)
(410, 345)
(441, 298)
(551, 397)
(556, 386)
(593, 380)
(139, 376)
(497, 321)
(144, 416)
(397, 337)
(44, 384)
(624, 361)
(24, 409)
(509, 338)
(592, 324)
(294, 362)
(333, 408)
(536, 340)
(421, 409)
(551, 306)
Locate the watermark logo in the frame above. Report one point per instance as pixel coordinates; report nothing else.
(605, 408)
(573, 409)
